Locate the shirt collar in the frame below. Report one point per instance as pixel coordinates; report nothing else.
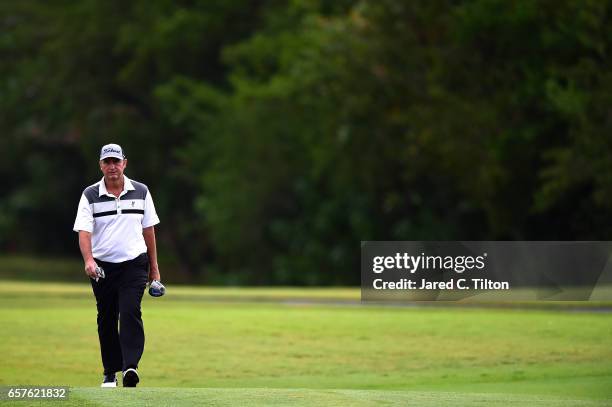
(127, 186)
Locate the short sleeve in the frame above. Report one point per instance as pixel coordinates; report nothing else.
(84, 218)
(150, 216)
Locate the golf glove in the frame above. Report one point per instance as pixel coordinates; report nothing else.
(99, 273)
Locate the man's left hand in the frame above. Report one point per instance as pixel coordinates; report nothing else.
(154, 274)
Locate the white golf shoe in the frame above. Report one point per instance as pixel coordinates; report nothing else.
(130, 378)
(109, 381)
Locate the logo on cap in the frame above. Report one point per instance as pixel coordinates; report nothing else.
(111, 150)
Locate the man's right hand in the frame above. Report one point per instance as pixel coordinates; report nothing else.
(90, 268)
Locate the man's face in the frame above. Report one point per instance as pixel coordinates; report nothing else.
(113, 168)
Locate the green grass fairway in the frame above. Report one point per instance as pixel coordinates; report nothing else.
(231, 348)
(82, 396)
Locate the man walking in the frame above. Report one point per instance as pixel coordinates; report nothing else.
(115, 222)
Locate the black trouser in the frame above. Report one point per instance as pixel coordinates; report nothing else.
(118, 298)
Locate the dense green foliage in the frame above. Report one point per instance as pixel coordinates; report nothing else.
(277, 135)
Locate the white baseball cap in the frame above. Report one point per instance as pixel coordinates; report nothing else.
(111, 150)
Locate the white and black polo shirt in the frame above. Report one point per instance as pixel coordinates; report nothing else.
(115, 223)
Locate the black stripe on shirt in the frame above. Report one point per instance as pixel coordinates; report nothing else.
(97, 215)
(140, 211)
